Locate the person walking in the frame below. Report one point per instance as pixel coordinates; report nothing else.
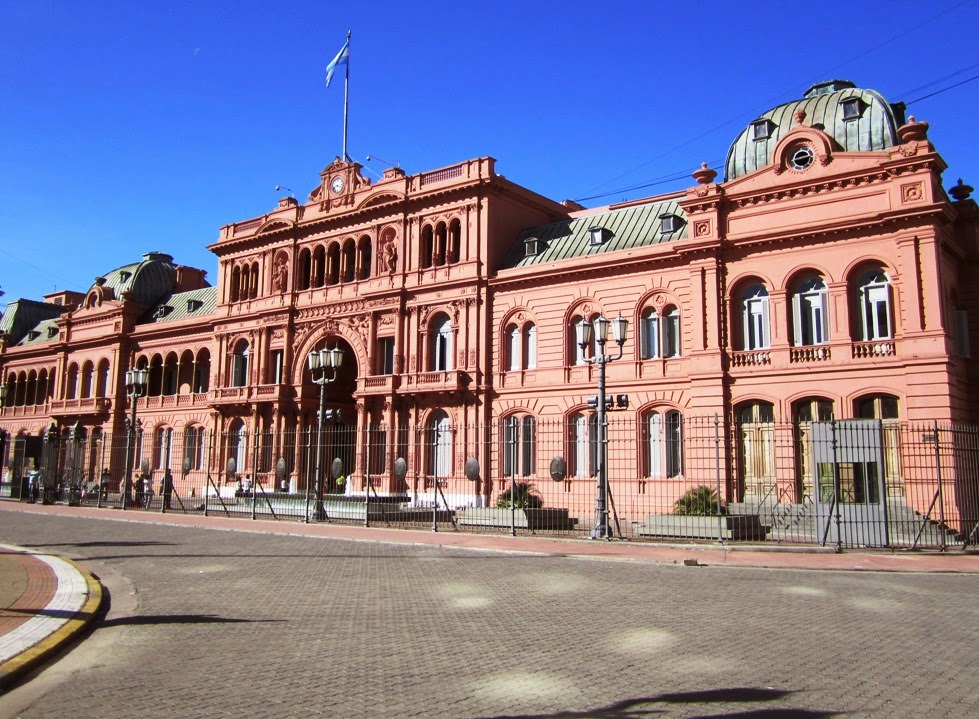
(166, 488)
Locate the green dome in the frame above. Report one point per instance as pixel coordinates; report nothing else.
(858, 120)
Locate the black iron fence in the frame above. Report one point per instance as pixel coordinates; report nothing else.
(843, 483)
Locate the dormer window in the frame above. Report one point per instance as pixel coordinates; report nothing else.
(670, 223)
(598, 236)
(52, 332)
(124, 275)
(162, 311)
(762, 129)
(533, 246)
(194, 305)
(33, 335)
(852, 108)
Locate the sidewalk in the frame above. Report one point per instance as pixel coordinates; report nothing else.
(46, 601)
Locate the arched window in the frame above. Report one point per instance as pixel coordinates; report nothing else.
(810, 313)
(659, 335)
(813, 409)
(664, 444)
(239, 365)
(71, 382)
(519, 446)
(755, 318)
(235, 282)
(349, 261)
(874, 301)
(88, 380)
(202, 372)
(333, 264)
(238, 444)
(441, 344)
(102, 378)
(439, 443)
(426, 247)
(305, 269)
(441, 238)
(455, 240)
(364, 257)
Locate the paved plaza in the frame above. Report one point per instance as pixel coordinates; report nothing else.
(219, 622)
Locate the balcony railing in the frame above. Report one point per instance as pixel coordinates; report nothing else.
(446, 381)
(167, 401)
(379, 384)
(874, 350)
(249, 393)
(809, 354)
(88, 405)
(751, 358)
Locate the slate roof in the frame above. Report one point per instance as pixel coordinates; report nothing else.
(823, 103)
(22, 316)
(181, 305)
(634, 226)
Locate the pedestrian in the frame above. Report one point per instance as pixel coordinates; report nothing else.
(35, 486)
(104, 483)
(147, 492)
(166, 488)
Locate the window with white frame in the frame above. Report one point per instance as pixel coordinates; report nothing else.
(755, 318)
(664, 444)
(649, 334)
(671, 332)
(659, 334)
(530, 346)
(874, 298)
(584, 444)
(513, 348)
(810, 313)
(239, 366)
(439, 443)
(442, 344)
(519, 446)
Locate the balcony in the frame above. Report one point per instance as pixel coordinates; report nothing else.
(169, 401)
(447, 381)
(246, 395)
(73, 407)
(31, 410)
(378, 384)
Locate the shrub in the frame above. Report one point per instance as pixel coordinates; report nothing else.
(525, 496)
(700, 501)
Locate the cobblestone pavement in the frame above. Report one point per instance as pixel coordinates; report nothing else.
(216, 623)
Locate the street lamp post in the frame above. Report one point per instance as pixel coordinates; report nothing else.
(320, 361)
(136, 382)
(585, 332)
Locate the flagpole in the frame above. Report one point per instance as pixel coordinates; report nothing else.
(346, 97)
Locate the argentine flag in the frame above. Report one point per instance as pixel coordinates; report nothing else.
(341, 59)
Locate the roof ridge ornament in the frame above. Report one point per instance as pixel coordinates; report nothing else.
(913, 131)
(800, 116)
(704, 175)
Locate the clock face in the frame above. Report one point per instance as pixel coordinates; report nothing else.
(337, 185)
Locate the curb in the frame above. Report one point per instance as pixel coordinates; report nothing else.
(65, 635)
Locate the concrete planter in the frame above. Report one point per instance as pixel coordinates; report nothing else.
(734, 527)
(533, 519)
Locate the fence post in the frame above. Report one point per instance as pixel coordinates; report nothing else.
(836, 492)
(717, 468)
(941, 498)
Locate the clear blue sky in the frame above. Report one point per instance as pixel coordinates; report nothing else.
(145, 125)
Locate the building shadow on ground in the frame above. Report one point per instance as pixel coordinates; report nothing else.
(645, 707)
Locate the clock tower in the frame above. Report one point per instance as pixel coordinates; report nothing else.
(339, 183)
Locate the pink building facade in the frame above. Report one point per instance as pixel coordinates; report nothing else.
(826, 275)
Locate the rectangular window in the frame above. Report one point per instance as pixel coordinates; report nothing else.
(756, 335)
(962, 334)
(671, 334)
(650, 336)
(385, 355)
(878, 314)
(276, 366)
